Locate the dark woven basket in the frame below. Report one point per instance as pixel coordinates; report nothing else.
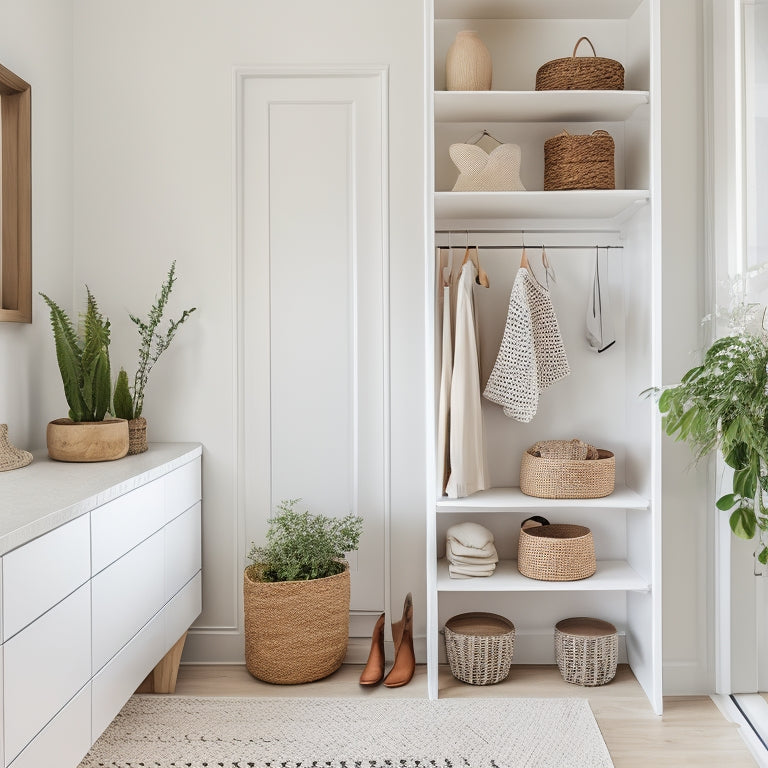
(579, 162)
(581, 73)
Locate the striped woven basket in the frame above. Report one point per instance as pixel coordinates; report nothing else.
(556, 552)
(296, 631)
(579, 161)
(548, 478)
(479, 647)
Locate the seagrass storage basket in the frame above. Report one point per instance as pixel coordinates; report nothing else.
(556, 478)
(557, 552)
(586, 650)
(581, 73)
(579, 161)
(479, 647)
(296, 631)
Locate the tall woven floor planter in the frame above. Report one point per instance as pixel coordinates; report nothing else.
(296, 631)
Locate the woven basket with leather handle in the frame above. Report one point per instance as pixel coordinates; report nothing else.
(296, 631)
(556, 552)
(568, 478)
(579, 161)
(581, 73)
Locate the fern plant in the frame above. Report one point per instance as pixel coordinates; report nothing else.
(83, 360)
(302, 546)
(129, 401)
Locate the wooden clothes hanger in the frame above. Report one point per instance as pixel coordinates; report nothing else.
(482, 275)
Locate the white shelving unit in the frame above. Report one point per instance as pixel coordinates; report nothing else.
(600, 401)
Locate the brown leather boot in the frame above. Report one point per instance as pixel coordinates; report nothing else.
(374, 669)
(405, 660)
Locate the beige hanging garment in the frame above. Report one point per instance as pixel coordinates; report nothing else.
(446, 366)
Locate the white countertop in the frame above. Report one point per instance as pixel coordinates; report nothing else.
(46, 494)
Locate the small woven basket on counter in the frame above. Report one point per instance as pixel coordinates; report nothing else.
(580, 161)
(479, 647)
(581, 73)
(586, 650)
(560, 478)
(557, 552)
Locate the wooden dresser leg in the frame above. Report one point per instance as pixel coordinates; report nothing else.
(162, 679)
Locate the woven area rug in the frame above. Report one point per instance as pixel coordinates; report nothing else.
(211, 732)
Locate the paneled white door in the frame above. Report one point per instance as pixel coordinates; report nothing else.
(314, 322)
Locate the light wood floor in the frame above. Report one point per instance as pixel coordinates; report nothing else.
(692, 732)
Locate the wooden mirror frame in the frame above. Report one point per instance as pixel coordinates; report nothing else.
(15, 198)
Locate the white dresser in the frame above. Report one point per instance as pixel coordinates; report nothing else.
(99, 581)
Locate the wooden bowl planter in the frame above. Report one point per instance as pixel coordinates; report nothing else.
(87, 440)
(295, 631)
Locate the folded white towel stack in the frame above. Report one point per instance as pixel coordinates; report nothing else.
(470, 551)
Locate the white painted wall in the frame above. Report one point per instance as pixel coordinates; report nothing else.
(155, 180)
(36, 44)
(686, 538)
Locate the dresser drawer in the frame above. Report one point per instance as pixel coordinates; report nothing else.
(182, 550)
(125, 597)
(182, 610)
(115, 684)
(182, 489)
(39, 574)
(45, 665)
(65, 740)
(121, 524)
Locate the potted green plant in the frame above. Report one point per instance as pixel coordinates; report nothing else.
(85, 371)
(722, 405)
(296, 596)
(129, 400)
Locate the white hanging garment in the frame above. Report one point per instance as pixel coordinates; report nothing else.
(446, 365)
(600, 333)
(531, 356)
(467, 445)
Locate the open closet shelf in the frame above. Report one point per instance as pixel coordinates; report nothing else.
(588, 204)
(536, 106)
(513, 498)
(534, 9)
(611, 576)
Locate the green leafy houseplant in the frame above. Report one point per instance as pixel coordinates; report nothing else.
(722, 404)
(129, 401)
(302, 546)
(83, 360)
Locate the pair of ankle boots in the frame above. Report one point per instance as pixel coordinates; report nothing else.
(405, 660)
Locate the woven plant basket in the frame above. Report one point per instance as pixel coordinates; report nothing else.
(579, 161)
(586, 650)
(568, 478)
(296, 631)
(581, 73)
(557, 552)
(137, 435)
(479, 647)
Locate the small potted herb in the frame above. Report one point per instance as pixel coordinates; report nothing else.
(129, 400)
(296, 596)
(83, 359)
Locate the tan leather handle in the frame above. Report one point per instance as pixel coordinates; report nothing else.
(578, 42)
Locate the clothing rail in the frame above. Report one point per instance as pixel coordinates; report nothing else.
(535, 246)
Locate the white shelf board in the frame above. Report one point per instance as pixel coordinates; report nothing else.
(506, 499)
(536, 106)
(535, 9)
(611, 575)
(581, 204)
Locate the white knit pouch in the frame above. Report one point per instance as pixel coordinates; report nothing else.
(480, 171)
(531, 356)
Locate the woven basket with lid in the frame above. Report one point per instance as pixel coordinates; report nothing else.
(581, 73)
(479, 647)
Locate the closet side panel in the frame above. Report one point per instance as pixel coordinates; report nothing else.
(314, 312)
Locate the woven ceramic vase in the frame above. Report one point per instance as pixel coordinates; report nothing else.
(468, 64)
